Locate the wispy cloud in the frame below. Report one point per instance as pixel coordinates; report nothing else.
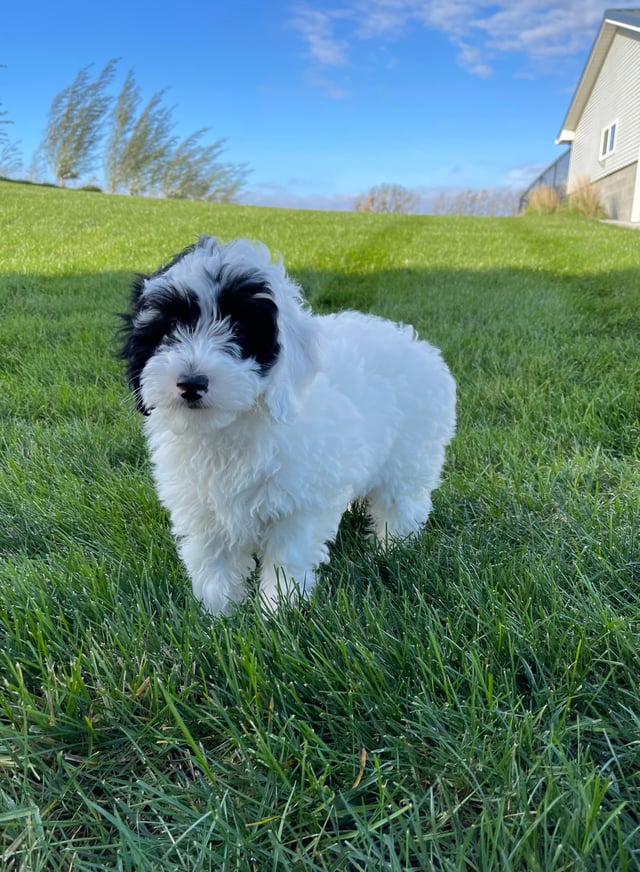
(452, 200)
(538, 28)
(287, 196)
(480, 30)
(521, 177)
(472, 58)
(318, 28)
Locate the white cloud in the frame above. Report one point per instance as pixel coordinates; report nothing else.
(540, 29)
(450, 199)
(480, 30)
(471, 57)
(287, 196)
(521, 177)
(317, 27)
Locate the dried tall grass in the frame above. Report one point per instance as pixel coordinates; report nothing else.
(544, 200)
(581, 200)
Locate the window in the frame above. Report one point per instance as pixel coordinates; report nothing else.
(608, 141)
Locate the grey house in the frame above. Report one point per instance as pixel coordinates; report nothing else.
(602, 125)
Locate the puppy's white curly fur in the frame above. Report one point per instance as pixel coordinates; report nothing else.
(261, 459)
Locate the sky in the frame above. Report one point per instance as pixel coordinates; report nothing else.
(323, 99)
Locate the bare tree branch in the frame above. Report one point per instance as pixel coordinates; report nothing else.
(386, 198)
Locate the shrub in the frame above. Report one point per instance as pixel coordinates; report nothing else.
(543, 200)
(584, 200)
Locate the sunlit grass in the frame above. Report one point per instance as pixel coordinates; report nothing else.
(467, 700)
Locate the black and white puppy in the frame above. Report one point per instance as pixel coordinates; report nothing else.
(264, 421)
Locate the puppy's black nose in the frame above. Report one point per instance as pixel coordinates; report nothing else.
(192, 387)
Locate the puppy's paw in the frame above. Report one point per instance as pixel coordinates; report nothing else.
(277, 586)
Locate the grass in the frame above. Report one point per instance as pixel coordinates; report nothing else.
(466, 701)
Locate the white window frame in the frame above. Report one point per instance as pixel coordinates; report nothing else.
(608, 139)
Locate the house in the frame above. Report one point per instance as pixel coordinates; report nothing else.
(602, 125)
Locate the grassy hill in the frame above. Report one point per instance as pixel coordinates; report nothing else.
(466, 701)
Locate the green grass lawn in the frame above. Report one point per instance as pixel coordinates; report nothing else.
(468, 700)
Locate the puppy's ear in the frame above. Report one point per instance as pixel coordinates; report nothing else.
(297, 361)
(209, 244)
(131, 349)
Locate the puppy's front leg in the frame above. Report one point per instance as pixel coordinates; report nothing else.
(294, 548)
(218, 576)
(280, 583)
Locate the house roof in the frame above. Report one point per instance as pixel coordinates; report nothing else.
(612, 21)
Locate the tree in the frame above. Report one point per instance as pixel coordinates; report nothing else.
(3, 120)
(143, 158)
(10, 157)
(481, 202)
(75, 124)
(122, 120)
(139, 146)
(3, 112)
(386, 198)
(194, 172)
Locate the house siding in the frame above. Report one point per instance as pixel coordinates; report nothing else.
(615, 97)
(615, 192)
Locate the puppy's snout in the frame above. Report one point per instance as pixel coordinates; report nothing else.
(192, 387)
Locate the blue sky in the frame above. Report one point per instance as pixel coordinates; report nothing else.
(324, 99)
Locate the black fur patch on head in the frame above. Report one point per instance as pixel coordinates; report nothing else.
(166, 308)
(246, 301)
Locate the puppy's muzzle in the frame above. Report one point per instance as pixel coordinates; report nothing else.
(192, 387)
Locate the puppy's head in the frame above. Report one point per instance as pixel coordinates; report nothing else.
(214, 330)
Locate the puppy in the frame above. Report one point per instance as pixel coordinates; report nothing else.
(265, 421)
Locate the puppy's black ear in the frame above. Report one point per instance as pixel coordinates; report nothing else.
(167, 266)
(140, 337)
(134, 349)
(209, 243)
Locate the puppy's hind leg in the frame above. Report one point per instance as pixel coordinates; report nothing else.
(397, 514)
(400, 500)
